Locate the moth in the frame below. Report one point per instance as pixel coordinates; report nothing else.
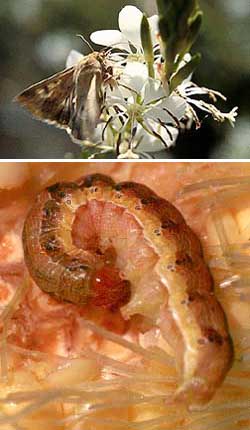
(72, 99)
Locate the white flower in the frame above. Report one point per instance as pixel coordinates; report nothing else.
(148, 120)
(130, 27)
(140, 109)
(140, 115)
(133, 77)
(135, 72)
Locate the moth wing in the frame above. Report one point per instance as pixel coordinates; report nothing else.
(73, 58)
(87, 112)
(92, 107)
(50, 99)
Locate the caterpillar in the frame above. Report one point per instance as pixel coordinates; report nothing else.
(187, 312)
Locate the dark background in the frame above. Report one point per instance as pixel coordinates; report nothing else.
(36, 36)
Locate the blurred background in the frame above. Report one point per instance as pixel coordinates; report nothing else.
(37, 35)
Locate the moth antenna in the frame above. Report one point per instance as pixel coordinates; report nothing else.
(86, 41)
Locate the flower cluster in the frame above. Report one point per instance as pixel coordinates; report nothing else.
(142, 113)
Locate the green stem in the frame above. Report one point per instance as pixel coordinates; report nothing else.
(179, 25)
(147, 45)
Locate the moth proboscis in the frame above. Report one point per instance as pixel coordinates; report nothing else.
(72, 99)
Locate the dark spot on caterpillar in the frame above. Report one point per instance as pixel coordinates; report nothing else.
(137, 207)
(51, 208)
(118, 187)
(167, 224)
(127, 185)
(157, 232)
(213, 336)
(61, 190)
(183, 302)
(183, 259)
(51, 245)
(54, 188)
(193, 295)
(148, 200)
(90, 180)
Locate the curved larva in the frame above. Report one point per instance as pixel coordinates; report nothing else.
(192, 320)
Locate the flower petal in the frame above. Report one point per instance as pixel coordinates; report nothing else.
(167, 134)
(148, 143)
(152, 91)
(151, 143)
(134, 76)
(73, 58)
(110, 38)
(115, 96)
(130, 24)
(175, 105)
(154, 27)
(172, 131)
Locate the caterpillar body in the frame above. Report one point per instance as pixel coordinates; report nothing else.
(189, 316)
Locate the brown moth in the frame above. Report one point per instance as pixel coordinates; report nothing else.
(71, 99)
